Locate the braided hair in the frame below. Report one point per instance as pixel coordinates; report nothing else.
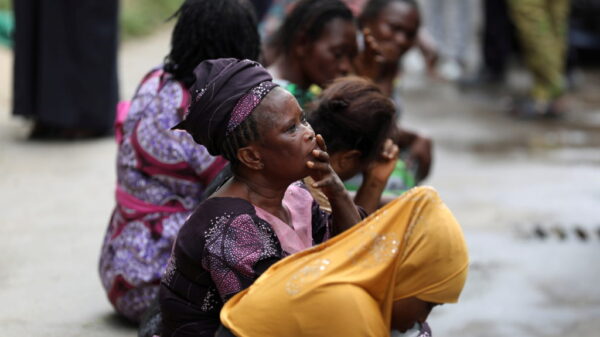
(308, 18)
(210, 29)
(374, 7)
(353, 114)
(241, 136)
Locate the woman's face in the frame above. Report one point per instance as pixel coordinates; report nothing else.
(286, 139)
(395, 29)
(329, 56)
(408, 311)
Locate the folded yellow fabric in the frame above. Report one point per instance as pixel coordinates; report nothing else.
(346, 286)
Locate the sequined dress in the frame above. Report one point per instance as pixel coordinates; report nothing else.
(161, 175)
(225, 245)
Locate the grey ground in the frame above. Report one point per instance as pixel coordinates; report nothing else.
(502, 177)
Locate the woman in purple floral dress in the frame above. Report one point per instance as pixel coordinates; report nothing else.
(161, 174)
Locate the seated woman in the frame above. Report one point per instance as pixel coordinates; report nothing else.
(387, 272)
(394, 27)
(356, 120)
(260, 215)
(161, 175)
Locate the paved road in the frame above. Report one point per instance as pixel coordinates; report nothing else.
(503, 178)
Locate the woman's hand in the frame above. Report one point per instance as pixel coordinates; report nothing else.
(322, 173)
(429, 50)
(381, 169)
(376, 176)
(369, 63)
(420, 151)
(344, 212)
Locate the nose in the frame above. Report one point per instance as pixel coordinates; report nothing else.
(345, 66)
(309, 133)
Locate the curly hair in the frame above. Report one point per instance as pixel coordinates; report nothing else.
(353, 114)
(209, 29)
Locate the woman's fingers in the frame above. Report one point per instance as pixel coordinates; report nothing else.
(387, 149)
(390, 150)
(372, 48)
(321, 155)
(320, 166)
(394, 152)
(321, 143)
(329, 180)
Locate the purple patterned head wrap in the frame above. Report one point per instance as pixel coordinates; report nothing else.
(225, 93)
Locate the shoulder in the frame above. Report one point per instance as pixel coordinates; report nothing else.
(210, 221)
(232, 234)
(220, 208)
(150, 81)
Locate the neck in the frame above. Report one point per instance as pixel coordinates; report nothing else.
(261, 192)
(287, 68)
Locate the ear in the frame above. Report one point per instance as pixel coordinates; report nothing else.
(345, 163)
(250, 157)
(350, 159)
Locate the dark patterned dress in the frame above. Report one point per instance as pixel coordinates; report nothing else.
(225, 245)
(161, 177)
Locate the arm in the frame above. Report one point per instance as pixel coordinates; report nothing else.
(429, 50)
(419, 150)
(371, 63)
(344, 211)
(376, 176)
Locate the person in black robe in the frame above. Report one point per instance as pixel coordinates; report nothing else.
(65, 68)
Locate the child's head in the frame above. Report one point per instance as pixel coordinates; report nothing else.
(354, 118)
(394, 24)
(208, 29)
(320, 36)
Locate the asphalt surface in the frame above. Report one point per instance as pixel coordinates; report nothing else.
(526, 192)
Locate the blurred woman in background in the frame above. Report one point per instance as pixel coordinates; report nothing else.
(161, 174)
(65, 67)
(315, 45)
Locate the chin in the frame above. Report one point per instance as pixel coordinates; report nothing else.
(300, 175)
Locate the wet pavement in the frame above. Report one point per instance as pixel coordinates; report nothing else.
(528, 195)
(526, 192)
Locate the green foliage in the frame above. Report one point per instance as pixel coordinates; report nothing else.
(7, 23)
(140, 17)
